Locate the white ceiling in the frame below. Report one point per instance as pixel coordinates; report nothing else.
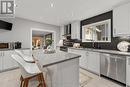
(64, 11)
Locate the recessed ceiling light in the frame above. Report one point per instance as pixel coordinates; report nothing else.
(52, 5)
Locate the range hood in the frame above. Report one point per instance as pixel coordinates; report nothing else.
(5, 25)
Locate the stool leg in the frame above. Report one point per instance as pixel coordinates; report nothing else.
(40, 82)
(21, 79)
(43, 80)
(21, 84)
(25, 83)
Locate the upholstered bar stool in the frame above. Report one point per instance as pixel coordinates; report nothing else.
(29, 71)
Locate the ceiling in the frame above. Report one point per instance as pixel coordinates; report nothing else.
(59, 12)
(39, 33)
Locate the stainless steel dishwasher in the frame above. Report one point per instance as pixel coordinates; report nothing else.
(113, 66)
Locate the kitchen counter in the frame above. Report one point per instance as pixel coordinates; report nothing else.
(14, 49)
(103, 51)
(62, 68)
(54, 58)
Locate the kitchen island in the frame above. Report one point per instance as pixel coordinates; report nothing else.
(62, 68)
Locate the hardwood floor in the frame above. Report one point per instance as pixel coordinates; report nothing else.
(11, 79)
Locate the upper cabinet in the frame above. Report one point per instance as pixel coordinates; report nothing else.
(61, 32)
(72, 30)
(75, 30)
(97, 32)
(121, 20)
(67, 30)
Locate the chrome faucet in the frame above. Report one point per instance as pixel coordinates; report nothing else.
(93, 44)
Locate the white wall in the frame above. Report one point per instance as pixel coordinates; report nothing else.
(21, 31)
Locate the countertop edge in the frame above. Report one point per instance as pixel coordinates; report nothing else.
(46, 65)
(103, 51)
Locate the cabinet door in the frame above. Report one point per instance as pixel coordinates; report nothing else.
(82, 60)
(8, 61)
(128, 72)
(61, 32)
(1, 59)
(94, 62)
(121, 20)
(75, 30)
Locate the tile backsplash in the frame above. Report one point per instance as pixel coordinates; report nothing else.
(104, 45)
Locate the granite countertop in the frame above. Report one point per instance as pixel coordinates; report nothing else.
(103, 51)
(13, 49)
(55, 58)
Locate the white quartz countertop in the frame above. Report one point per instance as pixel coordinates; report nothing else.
(103, 51)
(50, 59)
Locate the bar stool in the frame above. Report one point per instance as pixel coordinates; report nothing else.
(29, 71)
(26, 58)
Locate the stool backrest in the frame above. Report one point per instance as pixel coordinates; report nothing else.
(27, 58)
(30, 68)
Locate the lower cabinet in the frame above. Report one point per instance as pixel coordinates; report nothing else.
(83, 59)
(93, 61)
(89, 60)
(6, 61)
(1, 62)
(128, 71)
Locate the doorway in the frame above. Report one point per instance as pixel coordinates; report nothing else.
(41, 38)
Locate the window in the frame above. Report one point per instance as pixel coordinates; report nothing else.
(97, 32)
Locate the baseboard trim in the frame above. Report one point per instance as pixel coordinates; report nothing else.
(90, 71)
